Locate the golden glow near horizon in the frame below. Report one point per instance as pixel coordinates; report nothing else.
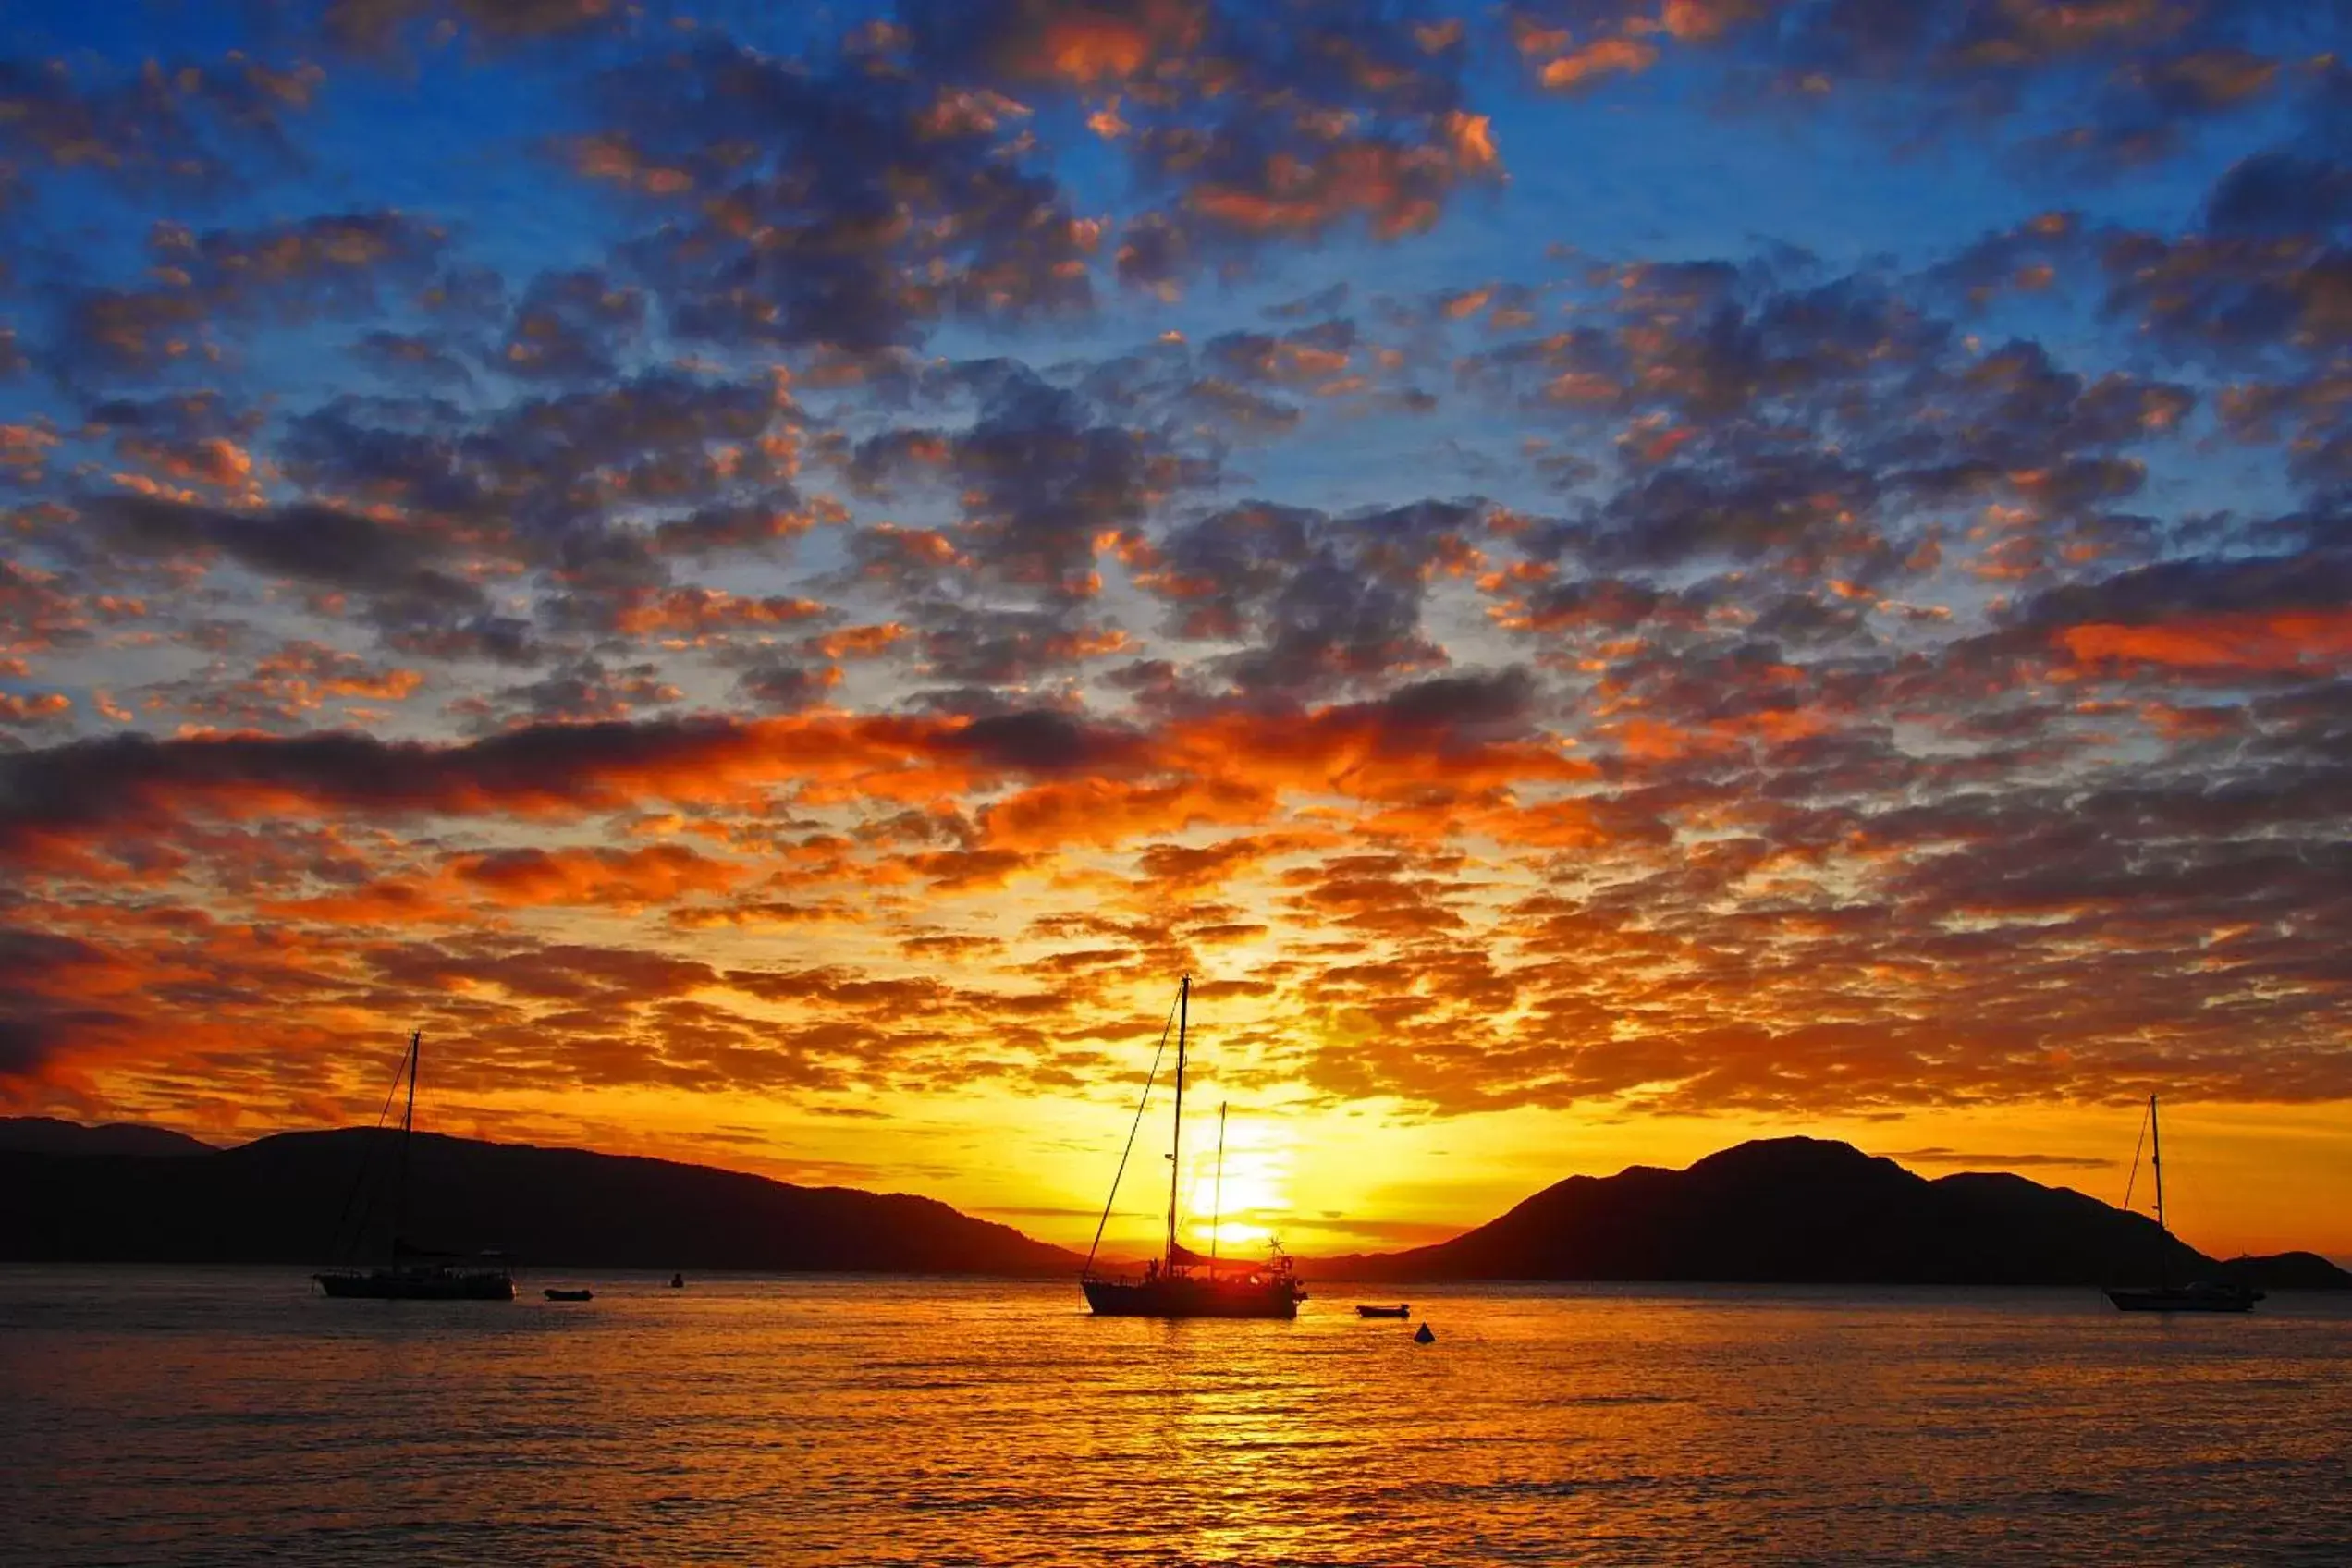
(1375, 1178)
(1324, 1172)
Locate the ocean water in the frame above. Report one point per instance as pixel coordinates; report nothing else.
(153, 1416)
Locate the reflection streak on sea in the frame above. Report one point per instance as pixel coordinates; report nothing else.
(213, 1417)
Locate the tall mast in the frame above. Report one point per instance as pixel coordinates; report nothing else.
(1176, 1138)
(408, 1124)
(2156, 1159)
(1216, 1223)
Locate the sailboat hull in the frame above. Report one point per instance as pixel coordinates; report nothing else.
(419, 1284)
(2190, 1298)
(1183, 1297)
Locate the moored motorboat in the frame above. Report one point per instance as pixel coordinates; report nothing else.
(1400, 1310)
(554, 1294)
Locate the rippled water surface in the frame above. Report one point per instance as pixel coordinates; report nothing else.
(180, 1417)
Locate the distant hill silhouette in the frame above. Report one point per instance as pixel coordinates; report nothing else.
(2286, 1271)
(46, 1134)
(1783, 1211)
(1799, 1210)
(280, 1199)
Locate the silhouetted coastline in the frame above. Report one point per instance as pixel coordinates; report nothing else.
(1773, 1211)
(1809, 1210)
(279, 1200)
(49, 1134)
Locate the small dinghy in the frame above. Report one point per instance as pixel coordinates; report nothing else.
(554, 1294)
(1401, 1310)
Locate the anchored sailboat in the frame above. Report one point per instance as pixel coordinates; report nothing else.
(410, 1274)
(1181, 1283)
(2204, 1296)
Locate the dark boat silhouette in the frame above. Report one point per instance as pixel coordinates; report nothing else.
(1402, 1310)
(414, 1273)
(2202, 1295)
(552, 1294)
(419, 1280)
(1181, 1282)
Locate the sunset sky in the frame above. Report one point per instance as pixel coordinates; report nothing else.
(1609, 576)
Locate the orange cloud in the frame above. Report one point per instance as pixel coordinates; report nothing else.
(1092, 44)
(695, 612)
(1086, 48)
(1396, 188)
(859, 641)
(1360, 751)
(658, 873)
(1603, 57)
(2254, 640)
(1109, 812)
(38, 709)
(1700, 21)
(616, 159)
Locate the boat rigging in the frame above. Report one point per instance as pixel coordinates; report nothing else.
(1181, 1283)
(409, 1273)
(2200, 1295)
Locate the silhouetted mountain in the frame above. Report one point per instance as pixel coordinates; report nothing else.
(46, 1134)
(284, 1199)
(1793, 1210)
(2286, 1271)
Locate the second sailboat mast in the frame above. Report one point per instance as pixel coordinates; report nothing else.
(1176, 1139)
(408, 1126)
(1217, 1222)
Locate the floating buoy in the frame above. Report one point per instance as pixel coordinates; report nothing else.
(677, 1282)
(1422, 1336)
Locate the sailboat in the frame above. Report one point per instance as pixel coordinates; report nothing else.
(1181, 1283)
(2204, 1296)
(410, 1274)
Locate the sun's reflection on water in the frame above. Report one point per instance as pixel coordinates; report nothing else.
(910, 1421)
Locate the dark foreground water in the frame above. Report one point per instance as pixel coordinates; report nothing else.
(184, 1417)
